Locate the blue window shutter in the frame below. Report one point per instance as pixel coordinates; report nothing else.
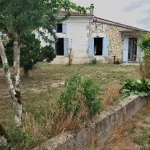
(64, 27)
(66, 46)
(91, 47)
(53, 44)
(125, 49)
(105, 46)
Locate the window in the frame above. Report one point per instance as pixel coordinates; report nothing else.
(59, 28)
(60, 46)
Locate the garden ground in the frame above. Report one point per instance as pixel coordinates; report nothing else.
(45, 83)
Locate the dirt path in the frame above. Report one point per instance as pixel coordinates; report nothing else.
(134, 135)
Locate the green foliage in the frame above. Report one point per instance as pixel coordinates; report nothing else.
(139, 87)
(6, 68)
(18, 140)
(146, 55)
(142, 140)
(144, 41)
(31, 53)
(80, 90)
(118, 62)
(34, 53)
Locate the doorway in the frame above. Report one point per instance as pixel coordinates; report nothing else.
(132, 53)
(60, 46)
(98, 46)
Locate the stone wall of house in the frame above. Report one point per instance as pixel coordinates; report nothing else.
(115, 43)
(115, 39)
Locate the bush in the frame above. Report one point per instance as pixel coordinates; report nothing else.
(80, 90)
(118, 62)
(139, 87)
(144, 41)
(19, 140)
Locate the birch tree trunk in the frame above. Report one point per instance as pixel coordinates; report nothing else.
(17, 75)
(17, 105)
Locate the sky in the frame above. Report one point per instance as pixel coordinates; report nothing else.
(130, 12)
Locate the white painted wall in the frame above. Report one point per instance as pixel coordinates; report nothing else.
(76, 30)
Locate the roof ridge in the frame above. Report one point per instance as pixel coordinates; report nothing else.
(74, 13)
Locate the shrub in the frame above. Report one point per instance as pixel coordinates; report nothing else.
(80, 90)
(118, 62)
(144, 41)
(139, 87)
(17, 138)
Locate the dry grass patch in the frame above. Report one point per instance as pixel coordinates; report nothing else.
(144, 69)
(111, 94)
(54, 123)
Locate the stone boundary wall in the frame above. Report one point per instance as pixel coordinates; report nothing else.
(94, 136)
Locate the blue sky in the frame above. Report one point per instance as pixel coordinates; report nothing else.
(131, 12)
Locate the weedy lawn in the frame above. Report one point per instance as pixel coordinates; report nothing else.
(43, 86)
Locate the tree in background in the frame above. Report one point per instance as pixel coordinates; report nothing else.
(144, 41)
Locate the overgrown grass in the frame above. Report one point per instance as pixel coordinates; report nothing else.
(39, 94)
(111, 94)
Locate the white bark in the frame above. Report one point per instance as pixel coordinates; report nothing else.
(17, 77)
(17, 62)
(17, 105)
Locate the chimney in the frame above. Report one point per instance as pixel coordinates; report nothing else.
(92, 9)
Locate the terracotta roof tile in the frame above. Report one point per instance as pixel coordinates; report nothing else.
(63, 13)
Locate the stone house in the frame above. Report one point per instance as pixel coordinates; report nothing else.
(91, 37)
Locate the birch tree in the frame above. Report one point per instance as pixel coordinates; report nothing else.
(17, 17)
